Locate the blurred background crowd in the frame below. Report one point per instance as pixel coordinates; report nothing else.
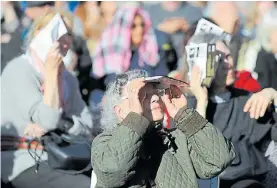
(173, 24)
(110, 38)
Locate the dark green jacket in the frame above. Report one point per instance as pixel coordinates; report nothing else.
(135, 155)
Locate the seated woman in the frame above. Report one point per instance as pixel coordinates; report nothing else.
(135, 150)
(40, 96)
(224, 106)
(130, 42)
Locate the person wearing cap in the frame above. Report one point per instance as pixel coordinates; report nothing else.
(249, 121)
(135, 150)
(37, 97)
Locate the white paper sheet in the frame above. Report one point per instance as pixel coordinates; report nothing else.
(197, 55)
(205, 26)
(52, 32)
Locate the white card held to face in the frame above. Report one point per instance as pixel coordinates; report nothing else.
(205, 26)
(205, 57)
(197, 55)
(45, 38)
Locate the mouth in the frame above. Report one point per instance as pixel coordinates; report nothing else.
(156, 107)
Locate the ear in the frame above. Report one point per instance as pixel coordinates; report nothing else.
(119, 112)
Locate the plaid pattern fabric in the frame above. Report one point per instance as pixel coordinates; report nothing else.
(113, 52)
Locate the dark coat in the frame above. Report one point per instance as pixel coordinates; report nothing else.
(266, 68)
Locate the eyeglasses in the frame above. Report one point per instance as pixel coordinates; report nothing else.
(159, 92)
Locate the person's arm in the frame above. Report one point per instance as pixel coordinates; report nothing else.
(25, 89)
(81, 115)
(115, 155)
(210, 151)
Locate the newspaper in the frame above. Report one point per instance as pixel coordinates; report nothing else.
(205, 26)
(206, 58)
(45, 38)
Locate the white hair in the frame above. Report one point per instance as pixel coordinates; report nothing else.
(113, 94)
(266, 27)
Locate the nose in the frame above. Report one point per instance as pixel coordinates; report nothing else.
(155, 98)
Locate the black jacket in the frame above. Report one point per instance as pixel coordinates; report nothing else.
(249, 136)
(266, 68)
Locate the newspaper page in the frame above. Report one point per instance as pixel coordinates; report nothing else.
(205, 26)
(205, 57)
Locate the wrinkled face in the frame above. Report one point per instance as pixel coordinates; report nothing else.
(273, 41)
(137, 30)
(153, 108)
(225, 75)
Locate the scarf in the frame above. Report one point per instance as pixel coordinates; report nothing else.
(113, 52)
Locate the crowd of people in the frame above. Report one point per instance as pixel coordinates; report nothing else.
(91, 83)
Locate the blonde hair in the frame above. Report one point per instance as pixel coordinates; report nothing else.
(43, 20)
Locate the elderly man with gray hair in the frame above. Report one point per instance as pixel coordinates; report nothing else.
(136, 151)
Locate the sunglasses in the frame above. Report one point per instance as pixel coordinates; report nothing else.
(138, 25)
(158, 92)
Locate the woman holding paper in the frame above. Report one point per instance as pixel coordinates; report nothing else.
(224, 106)
(40, 95)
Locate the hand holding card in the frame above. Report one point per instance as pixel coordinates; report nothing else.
(46, 37)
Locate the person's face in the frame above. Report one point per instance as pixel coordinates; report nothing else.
(225, 74)
(153, 108)
(273, 41)
(108, 9)
(137, 30)
(66, 40)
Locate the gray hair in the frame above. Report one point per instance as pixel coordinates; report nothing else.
(113, 95)
(266, 27)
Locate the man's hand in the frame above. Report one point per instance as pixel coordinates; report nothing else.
(174, 102)
(259, 102)
(34, 130)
